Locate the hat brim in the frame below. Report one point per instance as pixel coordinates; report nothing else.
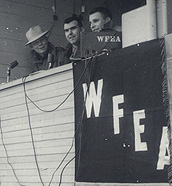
(35, 38)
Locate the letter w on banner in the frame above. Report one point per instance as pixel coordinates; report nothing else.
(93, 98)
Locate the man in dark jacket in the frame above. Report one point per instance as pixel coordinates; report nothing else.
(43, 54)
(72, 29)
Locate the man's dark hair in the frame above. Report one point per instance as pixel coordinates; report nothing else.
(73, 18)
(103, 10)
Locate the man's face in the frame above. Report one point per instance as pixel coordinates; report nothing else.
(97, 21)
(72, 32)
(40, 45)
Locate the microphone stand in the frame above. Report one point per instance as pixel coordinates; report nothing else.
(8, 73)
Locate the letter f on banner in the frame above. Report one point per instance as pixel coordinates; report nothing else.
(93, 99)
(117, 113)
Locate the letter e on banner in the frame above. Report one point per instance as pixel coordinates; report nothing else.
(164, 154)
(92, 98)
(138, 129)
(117, 113)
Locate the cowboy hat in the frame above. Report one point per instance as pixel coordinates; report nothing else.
(34, 33)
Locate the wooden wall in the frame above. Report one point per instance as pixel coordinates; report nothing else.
(53, 132)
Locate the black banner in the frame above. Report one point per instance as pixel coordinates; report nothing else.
(121, 132)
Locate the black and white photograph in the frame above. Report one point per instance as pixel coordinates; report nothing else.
(85, 93)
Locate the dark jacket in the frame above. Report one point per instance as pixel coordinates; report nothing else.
(68, 53)
(54, 57)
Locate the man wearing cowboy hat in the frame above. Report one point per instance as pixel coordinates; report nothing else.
(43, 54)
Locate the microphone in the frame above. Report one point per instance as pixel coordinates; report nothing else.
(50, 60)
(11, 66)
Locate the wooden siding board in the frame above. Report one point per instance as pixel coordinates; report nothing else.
(53, 85)
(45, 122)
(52, 103)
(42, 137)
(45, 81)
(42, 104)
(39, 146)
(19, 122)
(54, 88)
(41, 115)
(46, 129)
(29, 159)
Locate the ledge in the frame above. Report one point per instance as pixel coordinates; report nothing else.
(37, 75)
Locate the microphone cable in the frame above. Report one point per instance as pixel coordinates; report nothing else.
(79, 128)
(54, 17)
(52, 110)
(6, 152)
(33, 143)
(80, 125)
(30, 127)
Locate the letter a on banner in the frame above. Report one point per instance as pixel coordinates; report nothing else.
(164, 155)
(93, 99)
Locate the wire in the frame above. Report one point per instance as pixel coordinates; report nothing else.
(65, 167)
(54, 20)
(30, 127)
(60, 164)
(88, 58)
(51, 28)
(76, 131)
(33, 143)
(24, 80)
(24, 86)
(80, 123)
(64, 157)
(6, 152)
